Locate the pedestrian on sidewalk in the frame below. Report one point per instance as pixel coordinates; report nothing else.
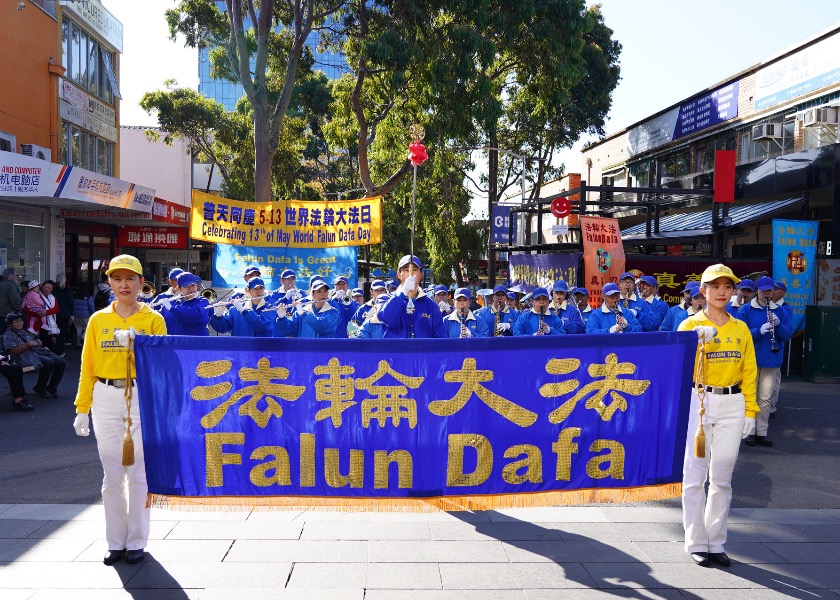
(107, 368)
(64, 296)
(728, 378)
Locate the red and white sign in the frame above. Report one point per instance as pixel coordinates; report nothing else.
(165, 211)
(131, 236)
(561, 207)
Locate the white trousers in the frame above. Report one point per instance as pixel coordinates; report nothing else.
(764, 398)
(124, 489)
(704, 519)
(774, 400)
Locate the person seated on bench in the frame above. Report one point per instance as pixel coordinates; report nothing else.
(28, 351)
(14, 375)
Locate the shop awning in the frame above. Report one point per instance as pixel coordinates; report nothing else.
(28, 180)
(699, 223)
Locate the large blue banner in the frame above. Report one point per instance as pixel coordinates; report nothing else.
(230, 262)
(528, 271)
(469, 423)
(501, 225)
(794, 261)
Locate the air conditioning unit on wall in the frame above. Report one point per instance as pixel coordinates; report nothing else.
(767, 131)
(820, 116)
(36, 151)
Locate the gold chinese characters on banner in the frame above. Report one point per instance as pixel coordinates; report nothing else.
(286, 223)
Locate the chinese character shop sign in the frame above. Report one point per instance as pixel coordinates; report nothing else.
(286, 224)
(131, 236)
(445, 423)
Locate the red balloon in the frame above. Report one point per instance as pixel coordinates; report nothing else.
(417, 153)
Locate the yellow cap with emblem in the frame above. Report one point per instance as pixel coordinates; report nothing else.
(125, 261)
(719, 270)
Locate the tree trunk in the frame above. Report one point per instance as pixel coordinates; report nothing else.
(263, 156)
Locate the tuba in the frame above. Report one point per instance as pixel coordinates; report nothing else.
(148, 291)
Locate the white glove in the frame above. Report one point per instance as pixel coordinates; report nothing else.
(82, 424)
(300, 309)
(124, 336)
(765, 329)
(239, 305)
(749, 427)
(219, 310)
(290, 294)
(504, 326)
(635, 312)
(774, 320)
(410, 284)
(444, 306)
(166, 303)
(467, 333)
(615, 329)
(705, 333)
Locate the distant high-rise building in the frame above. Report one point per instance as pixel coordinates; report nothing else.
(228, 93)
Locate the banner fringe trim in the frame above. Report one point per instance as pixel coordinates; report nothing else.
(421, 505)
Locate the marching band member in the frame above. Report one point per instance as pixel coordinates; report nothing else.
(729, 374)
(372, 328)
(102, 384)
(497, 316)
(658, 307)
(408, 315)
(742, 297)
(358, 296)
(695, 306)
(189, 314)
(779, 291)
(250, 273)
(247, 317)
(344, 304)
(567, 312)
(311, 319)
(393, 286)
(538, 320)
(581, 296)
(630, 302)
(441, 294)
(377, 289)
(462, 322)
(171, 292)
(770, 327)
(512, 303)
(611, 317)
(288, 292)
(677, 314)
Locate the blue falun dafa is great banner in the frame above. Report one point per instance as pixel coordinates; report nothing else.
(462, 424)
(286, 223)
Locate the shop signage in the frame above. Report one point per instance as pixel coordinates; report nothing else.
(172, 256)
(501, 224)
(79, 108)
(25, 214)
(800, 73)
(694, 115)
(165, 211)
(100, 20)
(132, 236)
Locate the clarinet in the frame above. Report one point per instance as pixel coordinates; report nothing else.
(543, 326)
(497, 319)
(619, 319)
(462, 318)
(774, 348)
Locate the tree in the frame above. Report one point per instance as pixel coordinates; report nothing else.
(272, 34)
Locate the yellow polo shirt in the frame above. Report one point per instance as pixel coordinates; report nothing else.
(730, 357)
(102, 356)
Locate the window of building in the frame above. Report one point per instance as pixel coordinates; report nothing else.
(48, 6)
(83, 149)
(7, 142)
(88, 62)
(639, 174)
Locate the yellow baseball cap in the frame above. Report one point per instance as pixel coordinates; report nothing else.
(715, 271)
(125, 261)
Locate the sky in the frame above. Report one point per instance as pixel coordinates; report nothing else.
(672, 49)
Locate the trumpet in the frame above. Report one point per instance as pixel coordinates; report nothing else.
(147, 291)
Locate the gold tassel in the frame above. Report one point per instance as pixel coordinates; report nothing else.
(128, 446)
(700, 441)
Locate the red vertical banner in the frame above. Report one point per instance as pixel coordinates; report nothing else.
(603, 254)
(724, 176)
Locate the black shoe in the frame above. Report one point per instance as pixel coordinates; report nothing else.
(750, 440)
(113, 556)
(41, 392)
(52, 392)
(22, 406)
(773, 415)
(720, 558)
(700, 558)
(134, 556)
(762, 440)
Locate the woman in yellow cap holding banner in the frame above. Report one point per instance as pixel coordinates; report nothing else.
(723, 412)
(107, 386)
